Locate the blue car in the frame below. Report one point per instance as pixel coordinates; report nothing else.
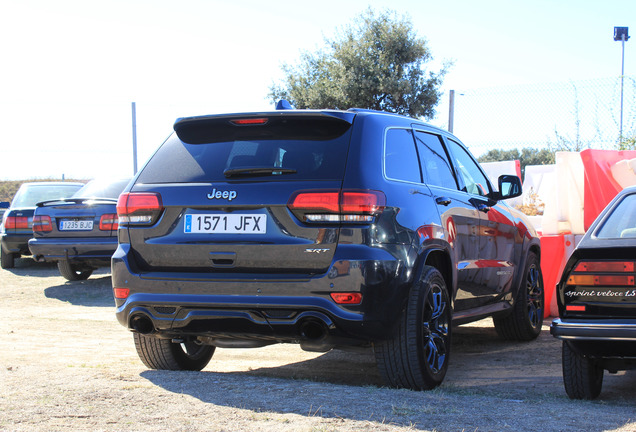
(330, 229)
(17, 220)
(80, 232)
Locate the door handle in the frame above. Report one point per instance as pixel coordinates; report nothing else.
(443, 201)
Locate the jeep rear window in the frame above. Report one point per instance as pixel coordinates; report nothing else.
(304, 148)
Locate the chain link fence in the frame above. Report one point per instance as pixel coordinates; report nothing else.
(569, 116)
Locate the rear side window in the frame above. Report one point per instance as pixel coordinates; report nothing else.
(400, 157)
(216, 149)
(436, 168)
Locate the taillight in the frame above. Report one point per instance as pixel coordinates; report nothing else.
(347, 298)
(600, 280)
(16, 222)
(603, 273)
(348, 206)
(604, 266)
(139, 208)
(42, 224)
(108, 222)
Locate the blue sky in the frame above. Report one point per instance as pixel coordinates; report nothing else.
(70, 69)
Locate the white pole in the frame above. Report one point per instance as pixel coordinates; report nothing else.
(134, 130)
(451, 111)
(622, 77)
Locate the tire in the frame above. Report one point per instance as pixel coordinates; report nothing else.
(73, 272)
(525, 321)
(7, 260)
(417, 356)
(582, 377)
(165, 355)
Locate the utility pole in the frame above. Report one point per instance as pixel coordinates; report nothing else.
(134, 131)
(451, 111)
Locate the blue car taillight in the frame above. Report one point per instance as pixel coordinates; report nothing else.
(108, 222)
(42, 224)
(336, 206)
(139, 208)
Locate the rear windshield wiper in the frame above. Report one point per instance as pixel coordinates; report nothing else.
(257, 171)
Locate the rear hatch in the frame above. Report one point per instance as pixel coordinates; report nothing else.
(256, 194)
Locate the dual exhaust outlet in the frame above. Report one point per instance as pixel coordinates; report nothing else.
(312, 328)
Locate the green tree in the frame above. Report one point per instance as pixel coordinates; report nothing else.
(527, 156)
(627, 143)
(378, 62)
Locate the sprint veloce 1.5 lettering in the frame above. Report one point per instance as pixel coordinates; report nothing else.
(329, 229)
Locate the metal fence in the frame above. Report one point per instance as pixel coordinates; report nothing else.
(561, 116)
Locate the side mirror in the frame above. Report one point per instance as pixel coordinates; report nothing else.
(509, 187)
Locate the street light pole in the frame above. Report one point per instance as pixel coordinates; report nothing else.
(451, 111)
(134, 133)
(621, 34)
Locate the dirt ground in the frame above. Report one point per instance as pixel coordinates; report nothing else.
(66, 364)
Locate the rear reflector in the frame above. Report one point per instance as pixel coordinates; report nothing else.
(42, 224)
(139, 208)
(16, 222)
(573, 308)
(347, 298)
(121, 293)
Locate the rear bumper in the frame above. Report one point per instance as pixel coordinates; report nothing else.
(611, 343)
(603, 330)
(218, 308)
(16, 242)
(97, 250)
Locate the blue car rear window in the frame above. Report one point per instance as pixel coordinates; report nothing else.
(303, 152)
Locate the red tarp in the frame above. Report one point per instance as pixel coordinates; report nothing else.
(599, 184)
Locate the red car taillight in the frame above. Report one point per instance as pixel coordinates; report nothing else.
(602, 273)
(108, 222)
(349, 206)
(588, 278)
(16, 222)
(139, 208)
(42, 224)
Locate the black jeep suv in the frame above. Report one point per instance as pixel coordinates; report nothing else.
(324, 228)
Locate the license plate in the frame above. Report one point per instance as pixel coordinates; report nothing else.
(76, 225)
(226, 224)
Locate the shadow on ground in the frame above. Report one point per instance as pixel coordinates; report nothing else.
(29, 267)
(93, 292)
(520, 379)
